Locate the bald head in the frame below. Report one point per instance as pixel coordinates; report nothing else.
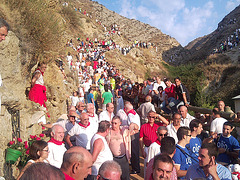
(183, 111)
(77, 162)
(84, 118)
(221, 106)
(148, 98)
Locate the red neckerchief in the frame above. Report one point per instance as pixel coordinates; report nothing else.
(132, 112)
(55, 141)
(67, 177)
(83, 125)
(158, 142)
(40, 71)
(91, 115)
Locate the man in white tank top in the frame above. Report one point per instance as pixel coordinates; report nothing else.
(99, 147)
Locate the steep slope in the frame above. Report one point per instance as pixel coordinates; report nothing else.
(202, 47)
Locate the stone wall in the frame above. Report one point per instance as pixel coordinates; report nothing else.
(15, 70)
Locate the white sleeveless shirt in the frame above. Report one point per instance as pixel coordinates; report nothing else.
(103, 156)
(40, 79)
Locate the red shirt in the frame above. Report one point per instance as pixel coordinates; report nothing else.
(67, 177)
(170, 91)
(149, 133)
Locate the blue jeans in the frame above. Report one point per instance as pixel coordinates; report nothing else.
(163, 105)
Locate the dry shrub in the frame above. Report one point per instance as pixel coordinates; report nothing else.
(71, 16)
(41, 23)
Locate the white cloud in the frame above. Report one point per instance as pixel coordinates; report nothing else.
(172, 17)
(232, 4)
(127, 9)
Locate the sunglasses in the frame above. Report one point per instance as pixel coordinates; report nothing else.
(189, 135)
(151, 117)
(163, 134)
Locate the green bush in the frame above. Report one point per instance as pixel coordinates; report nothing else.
(194, 79)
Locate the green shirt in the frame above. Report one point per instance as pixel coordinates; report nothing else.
(107, 96)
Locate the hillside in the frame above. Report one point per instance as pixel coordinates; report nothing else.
(39, 32)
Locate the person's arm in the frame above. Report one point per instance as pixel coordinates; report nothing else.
(67, 139)
(112, 100)
(23, 170)
(180, 173)
(48, 125)
(141, 147)
(185, 99)
(212, 169)
(97, 148)
(133, 128)
(35, 77)
(163, 119)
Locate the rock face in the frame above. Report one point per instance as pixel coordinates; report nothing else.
(202, 47)
(16, 83)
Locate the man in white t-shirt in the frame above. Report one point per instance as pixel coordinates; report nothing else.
(217, 124)
(186, 118)
(108, 113)
(56, 146)
(83, 132)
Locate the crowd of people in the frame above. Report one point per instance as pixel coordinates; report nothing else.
(231, 42)
(112, 121)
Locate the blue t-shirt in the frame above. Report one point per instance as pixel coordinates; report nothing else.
(182, 159)
(228, 143)
(195, 145)
(195, 171)
(90, 97)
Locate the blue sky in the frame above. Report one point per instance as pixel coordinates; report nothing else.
(184, 20)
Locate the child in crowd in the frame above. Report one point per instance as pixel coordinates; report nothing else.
(74, 98)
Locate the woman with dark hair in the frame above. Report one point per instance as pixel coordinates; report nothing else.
(38, 152)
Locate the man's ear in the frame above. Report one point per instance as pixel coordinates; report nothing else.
(75, 168)
(52, 134)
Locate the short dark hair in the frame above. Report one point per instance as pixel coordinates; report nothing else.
(160, 87)
(168, 145)
(162, 158)
(177, 78)
(194, 124)
(166, 79)
(176, 114)
(215, 111)
(182, 131)
(105, 87)
(40, 170)
(228, 124)
(212, 149)
(117, 117)
(3, 23)
(35, 147)
(103, 126)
